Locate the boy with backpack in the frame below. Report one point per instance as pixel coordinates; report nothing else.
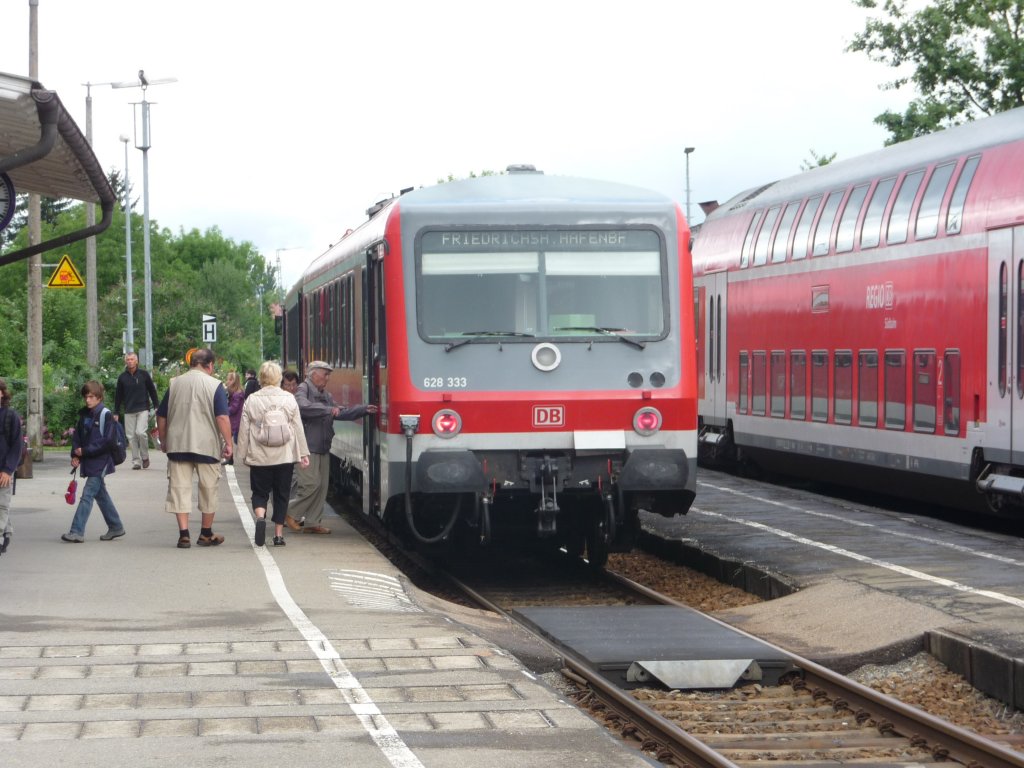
(93, 446)
(11, 447)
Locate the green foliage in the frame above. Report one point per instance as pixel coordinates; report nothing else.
(472, 175)
(817, 161)
(192, 273)
(965, 57)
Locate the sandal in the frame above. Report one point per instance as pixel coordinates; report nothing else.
(184, 542)
(279, 541)
(210, 541)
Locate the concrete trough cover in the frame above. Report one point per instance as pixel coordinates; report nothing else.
(611, 638)
(703, 674)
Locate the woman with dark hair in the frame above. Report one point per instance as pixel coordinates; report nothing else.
(91, 446)
(11, 446)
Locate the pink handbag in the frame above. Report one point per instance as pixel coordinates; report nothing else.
(69, 497)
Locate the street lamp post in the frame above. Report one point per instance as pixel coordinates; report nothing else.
(130, 333)
(259, 295)
(143, 144)
(687, 151)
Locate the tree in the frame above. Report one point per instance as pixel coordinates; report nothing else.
(192, 273)
(966, 56)
(817, 161)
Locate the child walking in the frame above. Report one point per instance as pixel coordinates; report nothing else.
(91, 446)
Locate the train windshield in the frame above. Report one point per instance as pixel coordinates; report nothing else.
(507, 285)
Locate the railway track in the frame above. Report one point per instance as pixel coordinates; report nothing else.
(811, 719)
(814, 717)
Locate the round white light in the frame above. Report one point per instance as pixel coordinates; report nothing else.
(546, 356)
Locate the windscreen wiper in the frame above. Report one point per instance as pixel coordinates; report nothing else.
(606, 331)
(478, 335)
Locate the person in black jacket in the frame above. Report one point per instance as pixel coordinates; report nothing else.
(91, 446)
(251, 384)
(133, 394)
(11, 446)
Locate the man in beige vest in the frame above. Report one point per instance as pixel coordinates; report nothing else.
(195, 433)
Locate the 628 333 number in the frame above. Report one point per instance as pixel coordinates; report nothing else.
(445, 382)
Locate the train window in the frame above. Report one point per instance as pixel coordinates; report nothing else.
(1020, 330)
(332, 324)
(380, 326)
(899, 217)
(748, 241)
(346, 321)
(711, 338)
(895, 389)
(925, 391)
(743, 403)
(761, 248)
(848, 222)
(928, 213)
(871, 230)
(823, 232)
(801, 240)
(350, 318)
(951, 392)
(798, 385)
(1003, 329)
(718, 339)
(758, 385)
(819, 386)
(781, 243)
(586, 285)
(842, 386)
(954, 217)
(778, 384)
(867, 388)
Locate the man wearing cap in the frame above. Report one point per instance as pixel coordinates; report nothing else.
(319, 412)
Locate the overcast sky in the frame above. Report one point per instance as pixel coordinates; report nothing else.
(288, 119)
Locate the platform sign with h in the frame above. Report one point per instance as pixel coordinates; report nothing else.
(209, 329)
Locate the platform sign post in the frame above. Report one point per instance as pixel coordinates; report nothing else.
(209, 329)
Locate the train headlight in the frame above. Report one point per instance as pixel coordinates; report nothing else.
(647, 421)
(446, 423)
(546, 356)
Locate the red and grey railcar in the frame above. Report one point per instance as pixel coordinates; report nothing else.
(530, 342)
(869, 315)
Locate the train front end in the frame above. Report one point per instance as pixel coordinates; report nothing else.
(541, 375)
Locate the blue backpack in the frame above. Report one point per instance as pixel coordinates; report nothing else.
(119, 452)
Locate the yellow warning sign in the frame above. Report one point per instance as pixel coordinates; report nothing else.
(65, 276)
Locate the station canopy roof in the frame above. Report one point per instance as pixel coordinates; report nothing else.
(43, 151)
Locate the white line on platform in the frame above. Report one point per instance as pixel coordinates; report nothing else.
(358, 699)
(862, 524)
(954, 585)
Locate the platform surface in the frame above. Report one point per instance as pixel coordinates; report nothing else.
(133, 652)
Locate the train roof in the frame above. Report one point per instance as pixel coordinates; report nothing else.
(946, 144)
(530, 188)
(518, 187)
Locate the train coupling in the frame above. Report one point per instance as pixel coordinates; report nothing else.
(546, 478)
(1008, 485)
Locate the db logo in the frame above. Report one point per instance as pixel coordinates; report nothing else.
(549, 415)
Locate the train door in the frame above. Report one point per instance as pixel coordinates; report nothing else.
(715, 350)
(374, 362)
(1005, 353)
